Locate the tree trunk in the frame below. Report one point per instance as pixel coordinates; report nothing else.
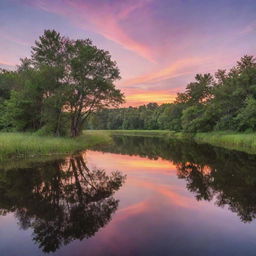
(75, 128)
(75, 131)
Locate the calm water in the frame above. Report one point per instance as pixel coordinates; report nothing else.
(139, 196)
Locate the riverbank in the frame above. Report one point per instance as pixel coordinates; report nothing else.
(24, 145)
(245, 142)
(30, 145)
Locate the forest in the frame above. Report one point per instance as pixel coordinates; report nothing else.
(224, 101)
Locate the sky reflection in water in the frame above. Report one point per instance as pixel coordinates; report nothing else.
(177, 199)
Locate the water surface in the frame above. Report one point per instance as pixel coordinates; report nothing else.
(138, 196)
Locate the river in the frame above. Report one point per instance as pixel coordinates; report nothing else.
(136, 196)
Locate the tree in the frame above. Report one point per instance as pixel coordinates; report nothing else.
(246, 118)
(8, 82)
(197, 92)
(190, 118)
(84, 77)
(62, 83)
(93, 73)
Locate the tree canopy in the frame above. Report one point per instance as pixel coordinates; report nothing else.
(58, 88)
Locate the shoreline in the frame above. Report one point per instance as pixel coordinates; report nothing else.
(29, 145)
(245, 142)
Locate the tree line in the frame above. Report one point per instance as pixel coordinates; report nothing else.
(58, 87)
(223, 101)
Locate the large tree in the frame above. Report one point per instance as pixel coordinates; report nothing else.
(85, 76)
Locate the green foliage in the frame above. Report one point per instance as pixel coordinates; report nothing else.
(62, 76)
(197, 92)
(190, 117)
(225, 101)
(199, 118)
(7, 83)
(246, 118)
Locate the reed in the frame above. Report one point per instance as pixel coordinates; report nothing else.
(26, 144)
(238, 141)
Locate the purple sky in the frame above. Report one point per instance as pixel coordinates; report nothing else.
(159, 45)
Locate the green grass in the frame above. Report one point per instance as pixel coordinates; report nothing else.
(30, 145)
(25, 145)
(238, 141)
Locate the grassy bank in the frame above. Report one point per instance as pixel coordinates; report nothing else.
(245, 142)
(238, 141)
(24, 145)
(29, 145)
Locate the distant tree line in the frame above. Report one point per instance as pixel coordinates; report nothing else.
(223, 101)
(58, 87)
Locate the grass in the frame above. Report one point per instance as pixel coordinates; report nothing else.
(25, 145)
(245, 142)
(238, 141)
(30, 145)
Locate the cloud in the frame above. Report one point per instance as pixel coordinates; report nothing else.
(103, 18)
(136, 98)
(179, 68)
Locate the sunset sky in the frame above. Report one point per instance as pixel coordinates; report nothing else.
(159, 45)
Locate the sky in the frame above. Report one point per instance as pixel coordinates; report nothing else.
(159, 45)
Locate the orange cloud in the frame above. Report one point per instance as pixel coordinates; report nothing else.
(103, 18)
(145, 97)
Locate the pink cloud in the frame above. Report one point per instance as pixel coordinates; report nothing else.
(176, 69)
(101, 17)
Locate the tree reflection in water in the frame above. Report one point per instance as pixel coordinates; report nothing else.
(225, 176)
(60, 200)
